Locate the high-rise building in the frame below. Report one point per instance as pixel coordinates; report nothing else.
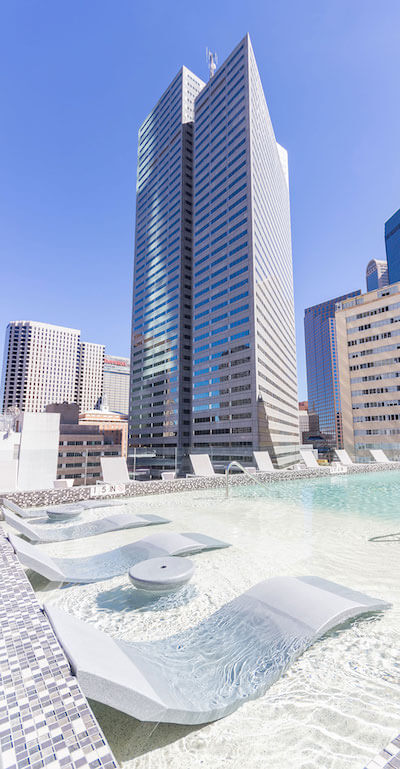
(39, 365)
(90, 375)
(368, 335)
(231, 223)
(244, 354)
(160, 394)
(45, 364)
(116, 383)
(377, 274)
(322, 367)
(392, 243)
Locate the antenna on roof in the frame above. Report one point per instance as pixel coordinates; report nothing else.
(212, 61)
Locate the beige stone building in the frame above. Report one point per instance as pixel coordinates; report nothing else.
(368, 339)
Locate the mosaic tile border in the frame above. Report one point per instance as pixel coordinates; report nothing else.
(45, 720)
(388, 758)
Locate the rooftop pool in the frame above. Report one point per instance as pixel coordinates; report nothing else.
(339, 703)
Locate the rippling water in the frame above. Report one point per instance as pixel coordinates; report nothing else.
(340, 702)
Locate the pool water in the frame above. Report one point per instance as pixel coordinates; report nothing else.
(339, 703)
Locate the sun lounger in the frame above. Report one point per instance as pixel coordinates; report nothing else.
(85, 504)
(52, 533)
(379, 456)
(309, 459)
(202, 467)
(94, 568)
(263, 461)
(208, 671)
(114, 470)
(343, 457)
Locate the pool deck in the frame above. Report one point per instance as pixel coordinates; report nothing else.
(45, 720)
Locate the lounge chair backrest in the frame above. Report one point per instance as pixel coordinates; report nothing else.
(202, 466)
(10, 505)
(308, 458)
(20, 525)
(36, 558)
(114, 470)
(263, 461)
(379, 456)
(343, 457)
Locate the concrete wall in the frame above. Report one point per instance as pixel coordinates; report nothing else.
(38, 455)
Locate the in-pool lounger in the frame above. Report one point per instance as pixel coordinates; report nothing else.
(52, 533)
(94, 568)
(208, 671)
(75, 507)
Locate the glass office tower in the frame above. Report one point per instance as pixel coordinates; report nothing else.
(392, 242)
(322, 368)
(244, 355)
(376, 274)
(160, 385)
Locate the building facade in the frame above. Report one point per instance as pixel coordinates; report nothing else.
(376, 274)
(160, 385)
(39, 365)
(392, 243)
(244, 356)
(213, 200)
(90, 375)
(116, 383)
(45, 364)
(368, 331)
(112, 424)
(322, 368)
(82, 445)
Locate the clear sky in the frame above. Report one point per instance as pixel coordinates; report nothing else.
(78, 77)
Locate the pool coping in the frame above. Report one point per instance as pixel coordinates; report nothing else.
(45, 719)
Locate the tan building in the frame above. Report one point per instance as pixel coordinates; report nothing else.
(114, 426)
(368, 338)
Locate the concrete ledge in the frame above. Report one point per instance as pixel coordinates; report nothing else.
(142, 488)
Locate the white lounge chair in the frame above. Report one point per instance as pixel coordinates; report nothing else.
(51, 533)
(263, 462)
(379, 456)
(343, 457)
(207, 672)
(168, 475)
(202, 467)
(114, 470)
(75, 507)
(94, 568)
(309, 459)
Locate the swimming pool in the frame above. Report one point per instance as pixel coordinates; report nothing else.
(339, 702)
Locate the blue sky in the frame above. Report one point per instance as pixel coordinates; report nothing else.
(77, 79)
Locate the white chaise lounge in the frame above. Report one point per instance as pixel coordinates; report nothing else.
(263, 462)
(94, 568)
(309, 459)
(207, 672)
(343, 457)
(379, 456)
(202, 467)
(75, 507)
(114, 470)
(51, 533)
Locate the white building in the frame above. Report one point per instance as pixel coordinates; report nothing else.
(90, 375)
(39, 365)
(116, 383)
(244, 353)
(46, 364)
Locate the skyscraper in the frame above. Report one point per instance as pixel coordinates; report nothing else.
(39, 365)
(116, 383)
(233, 228)
(244, 354)
(90, 375)
(46, 364)
(160, 396)
(322, 367)
(376, 274)
(392, 243)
